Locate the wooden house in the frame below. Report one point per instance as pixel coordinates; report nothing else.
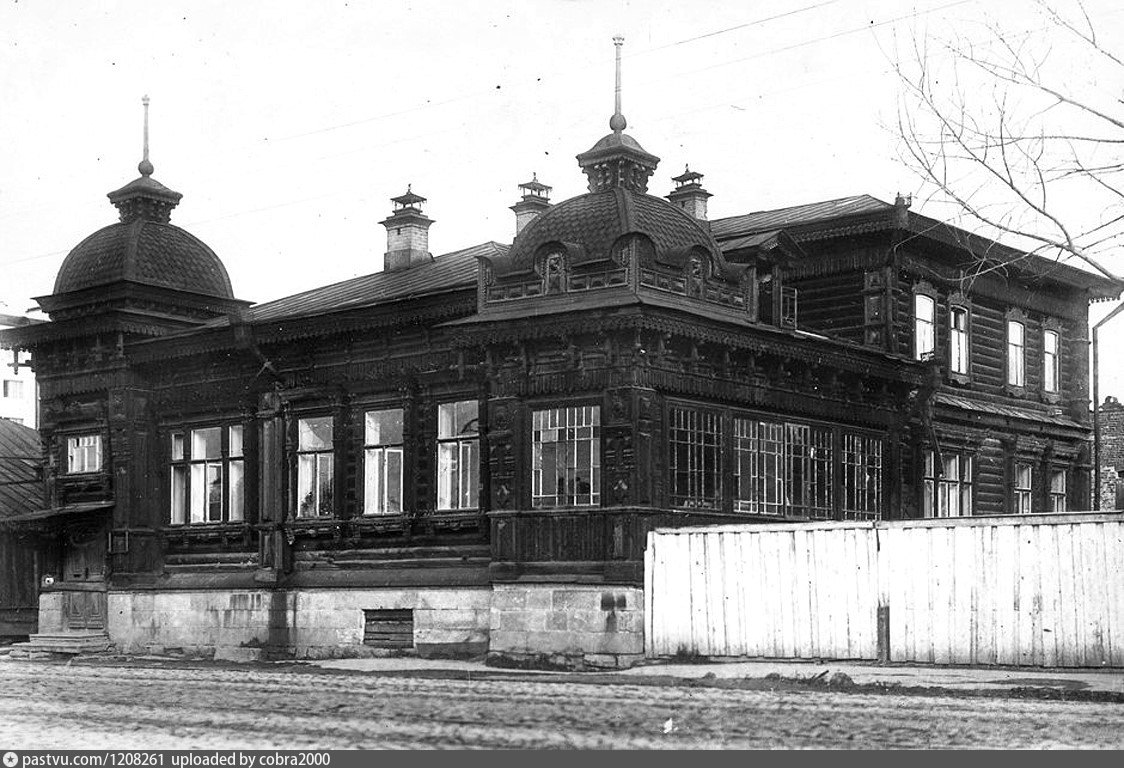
(463, 454)
(22, 548)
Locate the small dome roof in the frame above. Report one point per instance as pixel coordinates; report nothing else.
(148, 252)
(594, 222)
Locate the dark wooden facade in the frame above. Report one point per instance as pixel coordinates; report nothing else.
(749, 369)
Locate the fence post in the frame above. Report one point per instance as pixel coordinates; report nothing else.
(883, 632)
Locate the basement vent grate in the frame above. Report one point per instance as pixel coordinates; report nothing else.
(391, 629)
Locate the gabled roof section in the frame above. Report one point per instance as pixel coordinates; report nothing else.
(21, 484)
(445, 273)
(863, 213)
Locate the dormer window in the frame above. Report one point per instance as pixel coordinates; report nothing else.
(83, 454)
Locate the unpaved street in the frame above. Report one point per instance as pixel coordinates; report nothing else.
(53, 705)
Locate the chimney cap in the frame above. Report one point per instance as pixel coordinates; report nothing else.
(535, 188)
(408, 200)
(687, 177)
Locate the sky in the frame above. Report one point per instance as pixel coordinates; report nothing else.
(289, 124)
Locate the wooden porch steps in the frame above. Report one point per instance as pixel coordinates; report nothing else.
(46, 645)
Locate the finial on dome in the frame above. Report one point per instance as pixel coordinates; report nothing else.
(617, 123)
(145, 167)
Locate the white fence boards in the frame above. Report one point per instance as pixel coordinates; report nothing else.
(1046, 590)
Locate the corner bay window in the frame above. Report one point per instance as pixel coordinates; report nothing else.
(458, 455)
(950, 494)
(566, 457)
(314, 467)
(207, 474)
(782, 469)
(924, 318)
(1050, 368)
(778, 468)
(1016, 353)
(382, 462)
(83, 454)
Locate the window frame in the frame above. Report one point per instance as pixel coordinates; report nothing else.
(595, 453)
(318, 453)
(1056, 496)
(385, 450)
(462, 441)
(1015, 363)
(937, 491)
(1051, 362)
(68, 453)
(924, 292)
(695, 493)
(1022, 497)
(957, 304)
(13, 389)
(227, 459)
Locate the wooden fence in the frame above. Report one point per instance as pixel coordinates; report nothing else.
(1046, 590)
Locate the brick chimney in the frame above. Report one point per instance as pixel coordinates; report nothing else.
(689, 194)
(536, 199)
(407, 233)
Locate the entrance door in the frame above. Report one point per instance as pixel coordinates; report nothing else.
(83, 569)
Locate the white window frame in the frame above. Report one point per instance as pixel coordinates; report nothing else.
(861, 465)
(383, 462)
(958, 340)
(1023, 488)
(1058, 497)
(569, 439)
(13, 389)
(1051, 368)
(695, 457)
(83, 454)
(1016, 353)
(315, 462)
(951, 494)
(458, 456)
(924, 326)
(193, 472)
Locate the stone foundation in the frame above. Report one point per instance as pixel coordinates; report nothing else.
(300, 623)
(569, 625)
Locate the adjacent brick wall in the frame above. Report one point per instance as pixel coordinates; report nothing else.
(567, 625)
(1111, 419)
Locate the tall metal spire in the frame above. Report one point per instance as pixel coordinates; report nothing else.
(617, 122)
(145, 167)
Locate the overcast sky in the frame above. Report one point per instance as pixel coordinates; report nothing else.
(288, 124)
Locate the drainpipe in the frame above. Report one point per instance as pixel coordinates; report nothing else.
(1096, 505)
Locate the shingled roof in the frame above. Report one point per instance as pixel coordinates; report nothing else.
(21, 486)
(797, 215)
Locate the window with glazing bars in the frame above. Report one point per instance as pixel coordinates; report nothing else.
(950, 495)
(315, 467)
(1024, 488)
(458, 455)
(83, 454)
(782, 469)
(566, 457)
(862, 477)
(1057, 491)
(695, 458)
(382, 462)
(208, 474)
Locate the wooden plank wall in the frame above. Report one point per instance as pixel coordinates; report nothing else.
(1041, 591)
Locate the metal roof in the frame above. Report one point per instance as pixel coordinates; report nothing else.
(445, 273)
(1009, 411)
(796, 215)
(21, 484)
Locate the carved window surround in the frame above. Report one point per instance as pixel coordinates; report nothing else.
(959, 338)
(1014, 340)
(1052, 326)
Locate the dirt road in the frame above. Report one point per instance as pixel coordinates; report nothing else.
(52, 706)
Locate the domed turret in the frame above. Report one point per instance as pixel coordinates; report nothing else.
(143, 261)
